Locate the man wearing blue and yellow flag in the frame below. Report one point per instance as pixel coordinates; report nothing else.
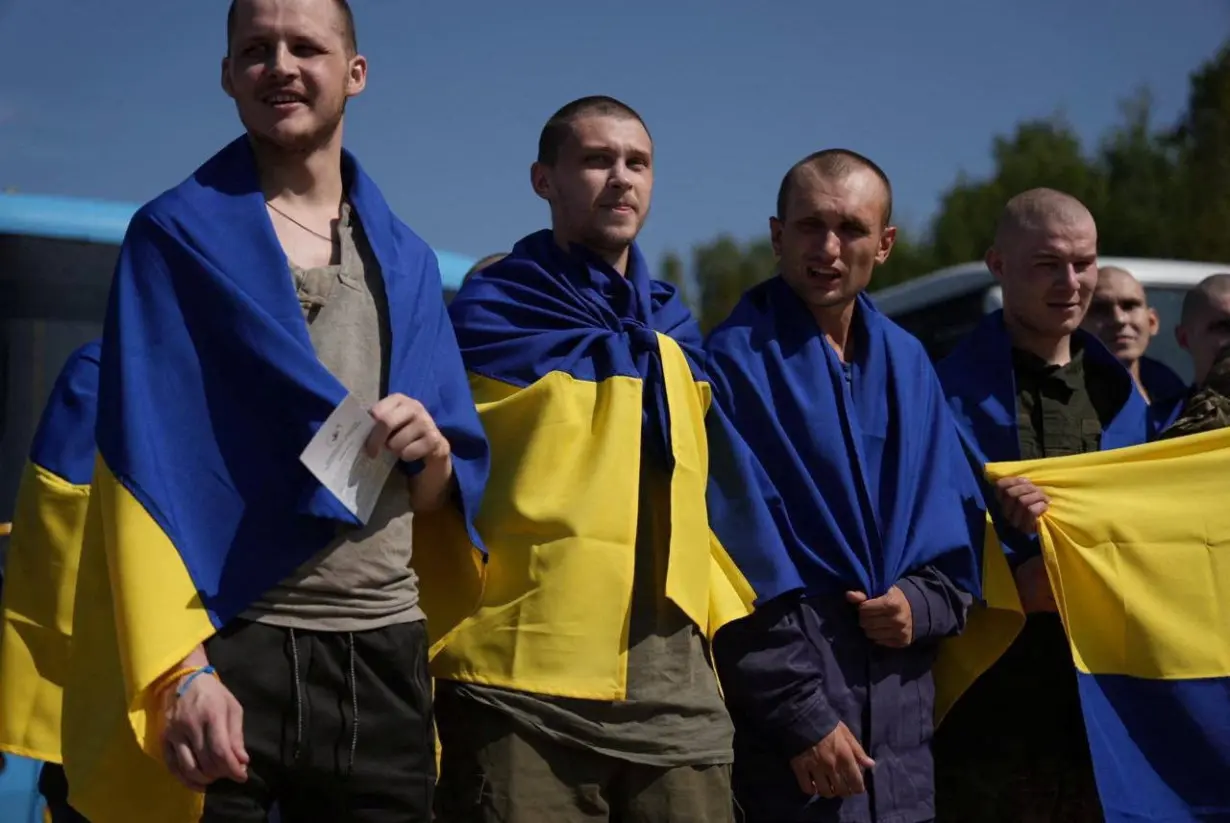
(1029, 384)
(580, 689)
(865, 488)
(41, 574)
(1140, 582)
(238, 623)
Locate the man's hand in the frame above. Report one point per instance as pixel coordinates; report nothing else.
(887, 620)
(405, 428)
(202, 740)
(1034, 587)
(834, 766)
(1022, 503)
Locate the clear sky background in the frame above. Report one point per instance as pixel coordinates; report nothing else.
(120, 98)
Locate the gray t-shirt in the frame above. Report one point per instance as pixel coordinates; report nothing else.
(673, 714)
(362, 580)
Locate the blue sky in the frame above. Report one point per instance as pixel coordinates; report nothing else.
(120, 99)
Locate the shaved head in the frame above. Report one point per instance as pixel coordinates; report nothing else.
(1119, 316)
(832, 164)
(1208, 292)
(1038, 210)
(1204, 328)
(1045, 259)
(1117, 275)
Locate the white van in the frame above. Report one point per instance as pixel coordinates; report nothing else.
(942, 307)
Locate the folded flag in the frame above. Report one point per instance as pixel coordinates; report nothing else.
(40, 576)
(1137, 547)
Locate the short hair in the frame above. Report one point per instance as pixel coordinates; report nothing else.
(343, 9)
(1198, 296)
(833, 163)
(559, 126)
(1032, 208)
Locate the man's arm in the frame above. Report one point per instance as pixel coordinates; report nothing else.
(938, 608)
(773, 677)
(772, 674)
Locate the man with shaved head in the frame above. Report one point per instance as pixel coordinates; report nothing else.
(1204, 332)
(1120, 316)
(581, 689)
(863, 492)
(1030, 383)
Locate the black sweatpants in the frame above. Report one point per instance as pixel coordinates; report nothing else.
(338, 725)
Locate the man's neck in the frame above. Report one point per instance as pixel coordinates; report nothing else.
(616, 259)
(1054, 351)
(310, 179)
(835, 323)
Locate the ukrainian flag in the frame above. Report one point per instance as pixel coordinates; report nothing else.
(41, 568)
(209, 390)
(579, 374)
(1137, 548)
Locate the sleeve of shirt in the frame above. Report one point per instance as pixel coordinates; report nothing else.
(938, 607)
(773, 675)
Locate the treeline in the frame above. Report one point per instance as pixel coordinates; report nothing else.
(1158, 191)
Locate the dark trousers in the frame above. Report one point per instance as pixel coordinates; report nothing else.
(53, 786)
(338, 725)
(1013, 748)
(491, 771)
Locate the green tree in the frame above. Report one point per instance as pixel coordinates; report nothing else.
(1162, 193)
(1203, 143)
(1040, 153)
(724, 269)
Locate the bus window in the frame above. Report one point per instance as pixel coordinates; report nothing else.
(1167, 301)
(53, 294)
(940, 326)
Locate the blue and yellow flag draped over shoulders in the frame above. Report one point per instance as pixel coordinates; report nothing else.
(858, 478)
(41, 567)
(209, 390)
(1137, 548)
(579, 374)
(980, 385)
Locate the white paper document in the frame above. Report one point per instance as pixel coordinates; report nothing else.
(337, 459)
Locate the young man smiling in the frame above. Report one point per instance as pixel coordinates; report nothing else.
(250, 302)
(1030, 383)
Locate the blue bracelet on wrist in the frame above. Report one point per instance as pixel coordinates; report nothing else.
(183, 687)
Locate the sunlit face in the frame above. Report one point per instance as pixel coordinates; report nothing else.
(1206, 333)
(1047, 273)
(831, 236)
(601, 183)
(290, 71)
(1119, 315)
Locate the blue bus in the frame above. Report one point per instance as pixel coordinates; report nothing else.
(57, 255)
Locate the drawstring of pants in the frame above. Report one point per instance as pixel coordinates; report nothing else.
(294, 662)
(352, 681)
(354, 702)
